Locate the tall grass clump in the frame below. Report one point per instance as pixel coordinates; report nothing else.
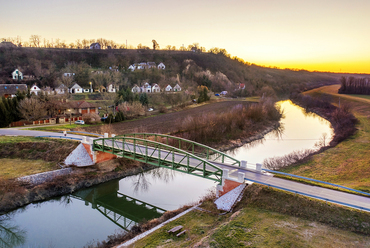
(241, 120)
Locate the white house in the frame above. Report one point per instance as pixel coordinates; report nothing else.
(17, 75)
(48, 90)
(161, 66)
(146, 88)
(156, 88)
(68, 74)
(95, 46)
(76, 89)
(132, 67)
(177, 88)
(151, 65)
(142, 66)
(61, 89)
(136, 89)
(34, 89)
(111, 88)
(168, 88)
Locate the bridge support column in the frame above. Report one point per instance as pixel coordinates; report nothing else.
(259, 167)
(229, 183)
(243, 164)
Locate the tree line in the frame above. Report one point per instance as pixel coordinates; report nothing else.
(351, 85)
(38, 41)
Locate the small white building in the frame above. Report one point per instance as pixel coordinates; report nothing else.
(111, 88)
(95, 46)
(61, 89)
(136, 89)
(161, 66)
(17, 75)
(168, 88)
(48, 90)
(35, 89)
(146, 88)
(132, 67)
(68, 74)
(75, 89)
(142, 66)
(156, 88)
(177, 88)
(151, 65)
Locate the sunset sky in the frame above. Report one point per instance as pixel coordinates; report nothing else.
(330, 35)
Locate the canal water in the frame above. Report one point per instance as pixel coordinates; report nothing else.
(91, 215)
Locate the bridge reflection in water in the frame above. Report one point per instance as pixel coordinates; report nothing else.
(123, 210)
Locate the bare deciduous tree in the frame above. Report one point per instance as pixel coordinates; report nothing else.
(32, 109)
(35, 40)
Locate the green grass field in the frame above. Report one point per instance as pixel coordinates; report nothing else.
(251, 227)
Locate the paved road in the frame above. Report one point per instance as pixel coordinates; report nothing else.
(17, 132)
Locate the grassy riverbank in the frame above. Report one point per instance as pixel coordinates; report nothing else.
(269, 218)
(347, 163)
(21, 156)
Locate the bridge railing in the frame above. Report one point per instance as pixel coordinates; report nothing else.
(159, 154)
(190, 146)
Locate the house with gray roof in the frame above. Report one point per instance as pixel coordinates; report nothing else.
(10, 90)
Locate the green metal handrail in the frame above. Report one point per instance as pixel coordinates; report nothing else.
(138, 149)
(189, 145)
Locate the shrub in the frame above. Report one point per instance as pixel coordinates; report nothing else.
(91, 118)
(163, 109)
(119, 117)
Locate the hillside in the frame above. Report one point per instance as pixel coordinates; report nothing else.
(216, 71)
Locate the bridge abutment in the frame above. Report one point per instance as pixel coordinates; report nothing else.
(96, 156)
(229, 183)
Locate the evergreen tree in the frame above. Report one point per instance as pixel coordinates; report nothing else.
(144, 99)
(4, 116)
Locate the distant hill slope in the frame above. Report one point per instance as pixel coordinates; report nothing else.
(190, 69)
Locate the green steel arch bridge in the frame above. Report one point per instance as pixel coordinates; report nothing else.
(170, 152)
(200, 160)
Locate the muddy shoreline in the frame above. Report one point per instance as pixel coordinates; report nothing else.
(24, 194)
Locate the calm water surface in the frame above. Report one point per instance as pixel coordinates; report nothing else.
(92, 214)
(299, 131)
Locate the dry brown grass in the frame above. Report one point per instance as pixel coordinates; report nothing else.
(13, 168)
(240, 121)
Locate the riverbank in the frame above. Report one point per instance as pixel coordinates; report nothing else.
(15, 194)
(265, 217)
(346, 163)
